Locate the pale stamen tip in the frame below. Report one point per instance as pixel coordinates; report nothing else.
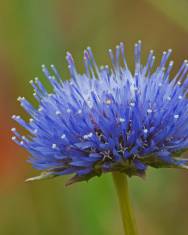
(63, 136)
(54, 146)
(176, 116)
(57, 112)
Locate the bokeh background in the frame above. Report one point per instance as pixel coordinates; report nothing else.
(40, 32)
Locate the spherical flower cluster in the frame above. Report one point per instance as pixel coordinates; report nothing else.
(107, 119)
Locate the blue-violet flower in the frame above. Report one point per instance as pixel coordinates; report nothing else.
(107, 119)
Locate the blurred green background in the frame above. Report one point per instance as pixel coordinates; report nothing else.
(36, 32)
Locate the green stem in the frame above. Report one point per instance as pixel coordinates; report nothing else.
(121, 184)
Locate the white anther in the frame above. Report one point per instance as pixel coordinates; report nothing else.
(21, 142)
(88, 135)
(13, 116)
(145, 131)
(63, 136)
(176, 116)
(89, 103)
(108, 101)
(136, 74)
(122, 120)
(13, 137)
(54, 146)
(13, 129)
(168, 98)
(31, 81)
(149, 110)
(40, 109)
(180, 97)
(68, 110)
(179, 83)
(132, 104)
(57, 112)
(79, 111)
(31, 120)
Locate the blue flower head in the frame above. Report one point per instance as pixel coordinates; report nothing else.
(107, 119)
